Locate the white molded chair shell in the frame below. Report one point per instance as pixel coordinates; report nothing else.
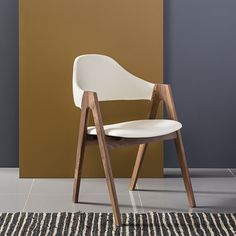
(139, 128)
(103, 75)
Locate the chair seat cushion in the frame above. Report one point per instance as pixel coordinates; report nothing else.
(139, 128)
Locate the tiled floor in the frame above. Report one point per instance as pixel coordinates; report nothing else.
(215, 191)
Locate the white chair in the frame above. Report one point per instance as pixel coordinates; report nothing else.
(100, 78)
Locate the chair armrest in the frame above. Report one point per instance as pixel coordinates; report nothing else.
(163, 92)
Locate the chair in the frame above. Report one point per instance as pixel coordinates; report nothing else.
(100, 78)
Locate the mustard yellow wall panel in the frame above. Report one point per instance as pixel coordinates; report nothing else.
(52, 34)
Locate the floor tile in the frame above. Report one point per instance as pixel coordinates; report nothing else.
(9, 173)
(12, 202)
(48, 203)
(10, 183)
(56, 195)
(65, 186)
(215, 203)
(198, 172)
(214, 185)
(52, 187)
(87, 203)
(129, 202)
(215, 191)
(164, 202)
(212, 194)
(200, 185)
(160, 185)
(100, 186)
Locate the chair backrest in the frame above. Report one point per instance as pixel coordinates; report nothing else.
(103, 75)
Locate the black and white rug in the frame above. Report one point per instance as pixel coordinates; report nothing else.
(152, 223)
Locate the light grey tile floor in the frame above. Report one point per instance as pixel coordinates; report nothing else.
(215, 191)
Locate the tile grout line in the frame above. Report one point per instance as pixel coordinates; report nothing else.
(26, 201)
(140, 198)
(231, 172)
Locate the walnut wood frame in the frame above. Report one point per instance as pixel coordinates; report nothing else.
(90, 104)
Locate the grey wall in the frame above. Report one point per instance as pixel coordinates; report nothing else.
(8, 83)
(200, 63)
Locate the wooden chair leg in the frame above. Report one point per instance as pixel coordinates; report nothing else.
(155, 101)
(94, 105)
(78, 168)
(184, 169)
(80, 149)
(110, 184)
(139, 159)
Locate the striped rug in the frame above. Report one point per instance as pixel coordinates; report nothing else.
(151, 223)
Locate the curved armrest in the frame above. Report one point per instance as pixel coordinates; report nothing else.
(163, 92)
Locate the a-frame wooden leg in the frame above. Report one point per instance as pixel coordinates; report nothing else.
(155, 101)
(184, 169)
(110, 183)
(105, 156)
(139, 159)
(166, 95)
(80, 150)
